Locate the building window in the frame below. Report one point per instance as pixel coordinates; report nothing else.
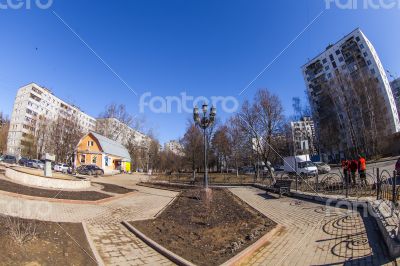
(83, 158)
(334, 64)
(90, 143)
(337, 52)
(373, 71)
(327, 68)
(106, 161)
(362, 46)
(324, 61)
(368, 62)
(365, 54)
(94, 159)
(331, 57)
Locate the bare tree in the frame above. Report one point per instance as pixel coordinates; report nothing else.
(221, 145)
(4, 128)
(192, 143)
(114, 121)
(241, 148)
(64, 136)
(262, 120)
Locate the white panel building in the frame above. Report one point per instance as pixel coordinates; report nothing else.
(120, 132)
(303, 135)
(175, 147)
(33, 101)
(352, 55)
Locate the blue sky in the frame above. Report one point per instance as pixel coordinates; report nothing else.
(202, 48)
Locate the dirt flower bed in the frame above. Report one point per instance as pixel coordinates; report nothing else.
(47, 193)
(114, 188)
(206, 231)
(43, 243)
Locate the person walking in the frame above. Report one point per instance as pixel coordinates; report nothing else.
(362, 168)
(353, 170)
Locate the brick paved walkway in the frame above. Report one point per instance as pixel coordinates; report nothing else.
(113, 242)
(313, 236)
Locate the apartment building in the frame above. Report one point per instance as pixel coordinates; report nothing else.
(344, 83)
(303, 136)
(174, 146)
(34, 102)
(395, 85)
(120, 132)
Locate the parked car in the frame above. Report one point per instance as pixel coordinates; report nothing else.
(61, 167)
(35, 164)
(323, 168)
(8, 159)
(23, 161)
(90, 170)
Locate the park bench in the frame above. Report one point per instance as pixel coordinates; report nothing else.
(281, 187)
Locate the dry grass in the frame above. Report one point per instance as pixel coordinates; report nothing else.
(20, 231)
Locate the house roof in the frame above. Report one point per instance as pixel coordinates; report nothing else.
(112, 147)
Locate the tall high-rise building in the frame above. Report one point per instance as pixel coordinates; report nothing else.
(33, 103)
(395, 85)
(350, 97)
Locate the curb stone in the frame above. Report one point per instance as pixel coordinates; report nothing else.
(157, 247)
(96, 254)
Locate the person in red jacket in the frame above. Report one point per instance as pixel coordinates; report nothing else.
(362, 168)
(353, 170)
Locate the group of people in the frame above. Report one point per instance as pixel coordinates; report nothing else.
(351, 167)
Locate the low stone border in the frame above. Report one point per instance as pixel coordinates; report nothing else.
(249, 251)
(92, 246)
(38, 181)
(157, 247)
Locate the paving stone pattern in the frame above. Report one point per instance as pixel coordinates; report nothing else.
(314, 234)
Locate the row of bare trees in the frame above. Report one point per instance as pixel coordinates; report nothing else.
(58, 137)
(257, 134)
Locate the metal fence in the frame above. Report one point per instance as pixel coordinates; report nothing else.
(380, 185)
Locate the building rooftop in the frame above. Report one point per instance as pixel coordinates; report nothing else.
(112, 147)
(331, 45)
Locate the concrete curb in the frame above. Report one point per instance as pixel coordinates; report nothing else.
(157, 247)
(247, 252)
(96, 254)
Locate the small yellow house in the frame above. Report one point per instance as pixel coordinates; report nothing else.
(107, 154)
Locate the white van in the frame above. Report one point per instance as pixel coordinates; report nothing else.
(300, 164)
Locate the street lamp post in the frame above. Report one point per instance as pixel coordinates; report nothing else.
(204, 122)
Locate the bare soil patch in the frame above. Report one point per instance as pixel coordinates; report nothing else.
(206, 232)
(55, 194)
(114, 188)
(53, 244)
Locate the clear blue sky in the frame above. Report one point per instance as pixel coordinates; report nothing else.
(203, 48)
